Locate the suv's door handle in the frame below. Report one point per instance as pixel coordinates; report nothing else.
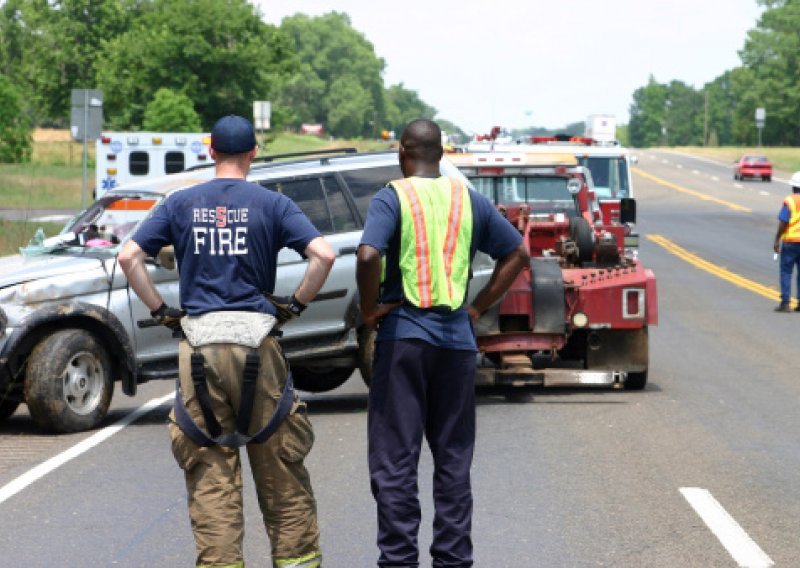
(347, 250)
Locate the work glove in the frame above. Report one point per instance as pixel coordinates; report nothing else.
(169, 317)
(288, 308)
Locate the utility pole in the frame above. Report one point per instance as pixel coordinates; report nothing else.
(705, 120)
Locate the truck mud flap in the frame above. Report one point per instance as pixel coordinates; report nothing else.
(547, 287)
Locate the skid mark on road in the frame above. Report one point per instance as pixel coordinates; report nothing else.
(26, 479)
(693, 193)
(736, 541)
(717, 270)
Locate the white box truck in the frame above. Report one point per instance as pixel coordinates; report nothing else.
(602, 128)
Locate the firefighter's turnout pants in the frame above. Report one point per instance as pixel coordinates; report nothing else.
(213, 474)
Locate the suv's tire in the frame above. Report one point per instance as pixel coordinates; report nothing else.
(7, 408)
(68, 383)
(366, 352)
(319, 379)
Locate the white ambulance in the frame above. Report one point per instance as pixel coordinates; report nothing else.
(125, 157)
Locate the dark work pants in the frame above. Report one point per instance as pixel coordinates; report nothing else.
(420, 389)
(790, 259)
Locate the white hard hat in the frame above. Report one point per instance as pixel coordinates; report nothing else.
(795, 181)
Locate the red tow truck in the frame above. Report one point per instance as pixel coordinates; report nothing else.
(579, 314)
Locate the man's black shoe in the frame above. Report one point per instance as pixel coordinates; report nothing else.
(783, 308)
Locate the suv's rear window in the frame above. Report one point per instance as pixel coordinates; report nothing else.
(364, 184)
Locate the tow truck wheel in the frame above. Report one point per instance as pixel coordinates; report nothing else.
(581, 233)
(366, 352)
(68, 384)
(320, 379)
(636, 381)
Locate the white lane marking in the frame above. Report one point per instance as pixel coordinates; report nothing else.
(665, 161)
(714, 178)
(738, 543)
(679, 166)
(696, 172)
(762, 192)
(24, 480)
(738, 186)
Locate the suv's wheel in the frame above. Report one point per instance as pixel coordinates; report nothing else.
(7, 408)
(320, 379)
(366, 352)
(68, 383)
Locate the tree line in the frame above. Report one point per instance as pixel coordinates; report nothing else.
(184, 63)
(722, 112)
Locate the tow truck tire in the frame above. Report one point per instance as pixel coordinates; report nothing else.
(68, 383)
(366, 353)
(581, 233)
(320, 379)
(636, 381)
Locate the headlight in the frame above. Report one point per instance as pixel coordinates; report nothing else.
(580, 319)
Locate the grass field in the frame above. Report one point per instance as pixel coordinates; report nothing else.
(782, 158)
(14, 234)
(53, 179)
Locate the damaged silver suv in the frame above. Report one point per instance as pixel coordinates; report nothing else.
(70, 327)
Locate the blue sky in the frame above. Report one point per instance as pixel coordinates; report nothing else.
(546, 63)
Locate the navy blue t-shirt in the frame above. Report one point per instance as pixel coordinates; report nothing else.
(491, 234)
(226, 234)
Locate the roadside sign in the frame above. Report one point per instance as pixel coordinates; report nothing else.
(262, 111)
(87, 114)
(761, 117)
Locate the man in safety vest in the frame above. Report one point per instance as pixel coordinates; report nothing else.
(427, 228)
(234, 389)
(789, 233)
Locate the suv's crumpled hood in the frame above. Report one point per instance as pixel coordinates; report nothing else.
(18, 269)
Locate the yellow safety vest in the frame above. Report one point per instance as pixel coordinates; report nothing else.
(792, 234)
(435, 239)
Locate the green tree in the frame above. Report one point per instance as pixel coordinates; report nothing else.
(647, 115)
(15, 128)
(54, 46)
(405, 106)
(772, 55)
(220, 54)
(330, 52)
(171, 112)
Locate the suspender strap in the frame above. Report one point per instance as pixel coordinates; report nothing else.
(201, 390)
(249, 378)
(239, 437)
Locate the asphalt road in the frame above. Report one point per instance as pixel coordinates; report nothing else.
(699, 469)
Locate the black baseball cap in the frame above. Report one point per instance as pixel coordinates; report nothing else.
(233, 135)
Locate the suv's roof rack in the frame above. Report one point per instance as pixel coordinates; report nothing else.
(272, 157)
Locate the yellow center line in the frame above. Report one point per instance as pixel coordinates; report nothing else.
(692, 192)
(717, 270)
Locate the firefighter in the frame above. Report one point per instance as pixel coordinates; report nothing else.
(233, 384)
(789, 234)
(427, 227)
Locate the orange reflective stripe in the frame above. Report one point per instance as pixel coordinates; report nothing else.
(453, 226)
(423, 265)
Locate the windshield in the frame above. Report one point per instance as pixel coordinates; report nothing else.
(544, 194)
(609, 174)
(100, 228)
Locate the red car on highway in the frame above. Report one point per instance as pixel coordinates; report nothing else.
(753, 166)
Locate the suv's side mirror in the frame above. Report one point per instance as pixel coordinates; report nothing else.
(627, 210)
